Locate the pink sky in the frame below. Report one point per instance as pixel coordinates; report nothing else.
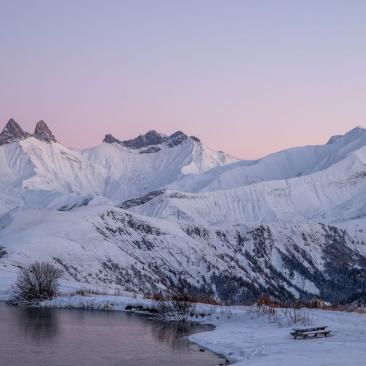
(246, 77)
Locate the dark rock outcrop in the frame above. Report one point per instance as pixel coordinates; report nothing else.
(151, 139)
(150, 149)
(109, 139)
(43, 133)
(177, 138)
(141, 200)
(12, 132)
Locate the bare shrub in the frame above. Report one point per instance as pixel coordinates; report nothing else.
(295, 316)
(284, 314)
(174, 304)
(118, 292)
(89, 292)
(163, 305)
(3, 252)
(82, 292)
(267, 311)
(182, 302)
(205, 299)
(37, 282)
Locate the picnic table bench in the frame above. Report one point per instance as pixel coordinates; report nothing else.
(310, 331)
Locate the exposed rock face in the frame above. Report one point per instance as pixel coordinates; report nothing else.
(141, 200)
(43, 133)
(150, 149)
(151, 139)
(12, 132)
(177, 138)
(319, 261)
(194, 138)
(109, 139)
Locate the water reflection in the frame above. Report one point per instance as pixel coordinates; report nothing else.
(35, 337)
(39, 324)
(172, 332)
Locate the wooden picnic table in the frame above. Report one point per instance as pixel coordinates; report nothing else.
(310, 331)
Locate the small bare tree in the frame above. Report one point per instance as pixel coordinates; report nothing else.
(176, 304)
(182, 302)
(37, 282)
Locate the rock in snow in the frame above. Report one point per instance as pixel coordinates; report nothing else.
(43, 133)
(12, 132)
(150, 139)
(110, 139)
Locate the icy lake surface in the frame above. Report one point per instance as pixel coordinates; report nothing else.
(77, 337)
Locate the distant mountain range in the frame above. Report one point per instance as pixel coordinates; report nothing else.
(141, 214)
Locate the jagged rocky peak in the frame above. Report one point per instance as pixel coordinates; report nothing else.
(177, 138)
(43, 133)
(110, 139)
(12, 132)
(151, 139)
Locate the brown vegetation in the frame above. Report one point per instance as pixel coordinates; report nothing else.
(37, 282)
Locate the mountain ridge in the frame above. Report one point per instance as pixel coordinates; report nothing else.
(12, 132)
(151, 138)
(292, 224)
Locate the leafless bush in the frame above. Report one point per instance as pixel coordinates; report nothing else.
(89, 292)
(118, 292)
(295, 316)
(283, 314)
(3, 252)
(182, 303)
(174, 304)
(37, 282)
(262, 310)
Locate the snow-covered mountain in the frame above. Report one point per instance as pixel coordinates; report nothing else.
(37, 169)
(151, 161)
(155, 210)
(331, 195)
(290, 163)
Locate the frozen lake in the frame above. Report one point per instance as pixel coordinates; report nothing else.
(60, 337)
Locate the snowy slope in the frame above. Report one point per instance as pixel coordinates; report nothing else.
(294, 162)
(292, 223)
(112, 247)
(335, 194)
(129, 173)
(37, 170)
(248, 338)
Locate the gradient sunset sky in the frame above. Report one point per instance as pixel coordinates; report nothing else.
(247, 77)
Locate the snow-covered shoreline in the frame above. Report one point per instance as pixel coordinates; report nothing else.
(245, 338)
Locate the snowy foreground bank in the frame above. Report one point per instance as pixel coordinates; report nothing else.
(246, 338)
